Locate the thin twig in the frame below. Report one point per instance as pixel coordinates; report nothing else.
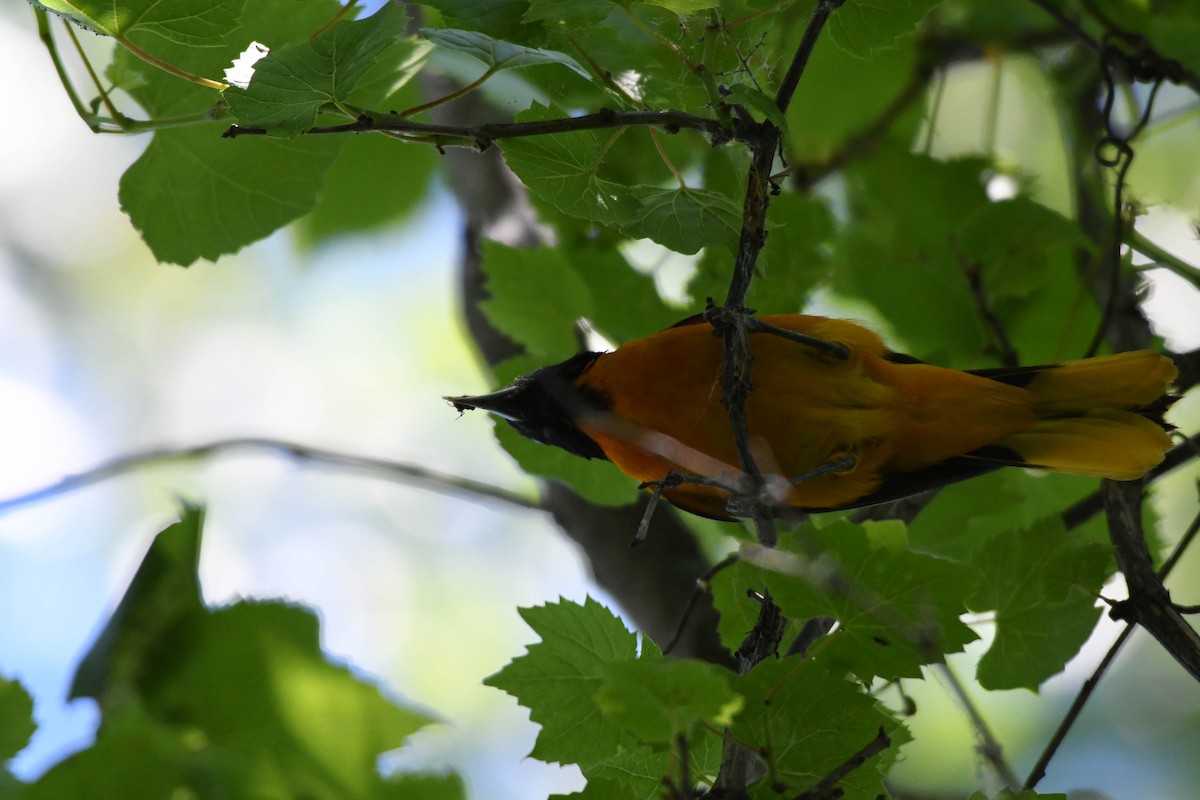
(341, 12)
(602, 73)
(91, 71)
(1115, 64)
(737, 761)
(169, 68)
(643, 530)
(991, 127)
(787, 88)
(826, 788)
(934, 112)
(662, 153)
(989, 745)
(45, 32)
(807, 173)
(833, 350)
(702, 586)
(1068, 24)
(384, 468)
(1161, 258)
(737, 364)
(825, 574)
(974, 273)
(452, 96)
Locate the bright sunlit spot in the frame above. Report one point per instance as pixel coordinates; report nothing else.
(1002, 187)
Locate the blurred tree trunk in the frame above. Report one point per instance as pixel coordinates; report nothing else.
(654, 581)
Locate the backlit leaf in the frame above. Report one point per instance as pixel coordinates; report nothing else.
(181, 21)
(294, 82)
(498, 54)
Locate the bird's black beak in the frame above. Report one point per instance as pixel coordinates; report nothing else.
(505, 403)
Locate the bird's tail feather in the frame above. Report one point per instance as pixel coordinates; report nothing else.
(1098, 416)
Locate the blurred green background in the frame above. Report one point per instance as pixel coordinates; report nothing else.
(351, 345)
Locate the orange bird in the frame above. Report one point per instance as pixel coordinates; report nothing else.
(831, 433)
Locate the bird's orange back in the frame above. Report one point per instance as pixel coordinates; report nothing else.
(805, 411)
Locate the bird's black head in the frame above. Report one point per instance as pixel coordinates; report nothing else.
(544, 405)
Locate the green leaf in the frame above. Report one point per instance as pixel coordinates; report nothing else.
(16, 718)
(536, 297)
(659, 700)
(500, 18)
(682, 7)
(282, 720)
(497, 54)
(757, 100)
(684, 219)
(897, 610)
(195, 195)
(163, 595)
(1042, 584)
(558, 678)
(820, 122)
(1027, 260)
(567, 171)
(952, 527)
(294, 82)
(638, 46)
(906, 210)
(625, 303)
(570, 13)
(809, 722)
(795, 259)
(180, 21)
(584, 684)
(597, 481)
(134, 756)
(422, 787)
(237, 702)
(863, 27)
(563, 170)
(639, 772)
(597, 789)
(1176, 35)
(1014, 242)
(566, 284)
(375, 181)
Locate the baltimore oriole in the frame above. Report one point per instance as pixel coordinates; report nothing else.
(879, 424)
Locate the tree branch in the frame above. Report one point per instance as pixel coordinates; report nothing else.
(806, 174)
(816, 24)
(1149, 603)
(481, 137)
(1146, 55)
(395, 471)
(653, 583)
(989, 746)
